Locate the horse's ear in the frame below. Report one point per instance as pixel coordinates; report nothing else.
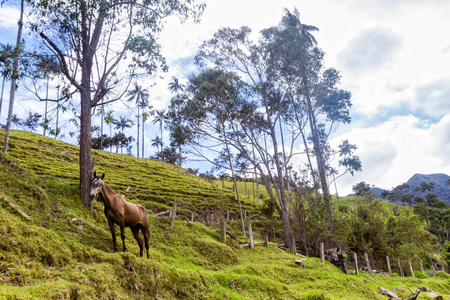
(103, 176)
(95, 174)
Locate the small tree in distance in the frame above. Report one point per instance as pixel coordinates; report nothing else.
(360, 188)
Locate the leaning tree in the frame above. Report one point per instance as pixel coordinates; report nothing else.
(100, 45)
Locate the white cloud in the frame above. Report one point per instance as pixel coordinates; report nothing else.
(9, 16)
(397, 149)
(434, 98)
(371, 49)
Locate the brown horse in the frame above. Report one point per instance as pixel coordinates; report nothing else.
(123, 213)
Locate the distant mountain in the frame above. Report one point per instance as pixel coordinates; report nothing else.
(377, 191)
(441, 186)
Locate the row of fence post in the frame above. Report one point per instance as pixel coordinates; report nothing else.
(369, 267)
(173, 213)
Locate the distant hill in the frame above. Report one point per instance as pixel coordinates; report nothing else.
(441, 187)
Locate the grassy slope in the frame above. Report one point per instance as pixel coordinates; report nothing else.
(63, 253)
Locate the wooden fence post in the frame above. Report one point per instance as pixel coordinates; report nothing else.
(174, 214)
(224, 231)
(245, 215)
(411, 269)
(388, 263)
(400, 267)
(250, 233)
(228, 216)
(355, 258)
(293, 250)
(421, 267)
(192, 217)
(366, 257)
(266, 241)
(322, 254)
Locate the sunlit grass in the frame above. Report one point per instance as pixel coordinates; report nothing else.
(65, 253)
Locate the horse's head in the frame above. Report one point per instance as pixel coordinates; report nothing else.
(96, 185)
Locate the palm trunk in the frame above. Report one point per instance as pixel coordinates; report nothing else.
(13, 79)
(57, 111)
(137, 140)
(101, 127)
(110, 135)
(46, 107)
(1, 97)
(143, 127)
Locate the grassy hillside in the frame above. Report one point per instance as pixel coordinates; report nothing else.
(64, 253)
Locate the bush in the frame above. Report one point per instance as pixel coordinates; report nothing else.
(446, 253)
(420, 275)
(442, 274)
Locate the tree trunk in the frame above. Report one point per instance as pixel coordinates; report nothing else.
(101, 127)
(234, 180)
(12, 92)
(143, 127)
(46, 107)
(308, 155)
(1, 96)
(317, 148)
(57, 111)
(88, 52)
(137, 140)
(85, 146)
(285, 166)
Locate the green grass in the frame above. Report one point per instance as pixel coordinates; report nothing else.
(64, 253)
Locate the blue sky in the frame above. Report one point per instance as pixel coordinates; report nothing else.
(394, 57)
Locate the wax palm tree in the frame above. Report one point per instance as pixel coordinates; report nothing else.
(143, 104)
(138, 94)
(293, 20)
(175, 86)
(157, 143)
(47, 66)
(159, 118)
(121, 124)
(109, 121)
(5, 53)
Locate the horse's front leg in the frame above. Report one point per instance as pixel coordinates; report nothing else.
(113, 233)
(122, 235)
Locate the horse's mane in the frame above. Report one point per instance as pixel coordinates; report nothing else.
(108, 189)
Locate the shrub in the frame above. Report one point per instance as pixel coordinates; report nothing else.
(446, 253)
(420, 275)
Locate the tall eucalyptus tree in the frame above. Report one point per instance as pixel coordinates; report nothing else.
(5, 70)
(91, 39)
(14, 77)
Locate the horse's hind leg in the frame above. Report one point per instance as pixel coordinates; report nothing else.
(135, 230)
(146, 232)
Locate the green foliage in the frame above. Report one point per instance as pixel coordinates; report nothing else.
(446, 253)
(420, 275)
